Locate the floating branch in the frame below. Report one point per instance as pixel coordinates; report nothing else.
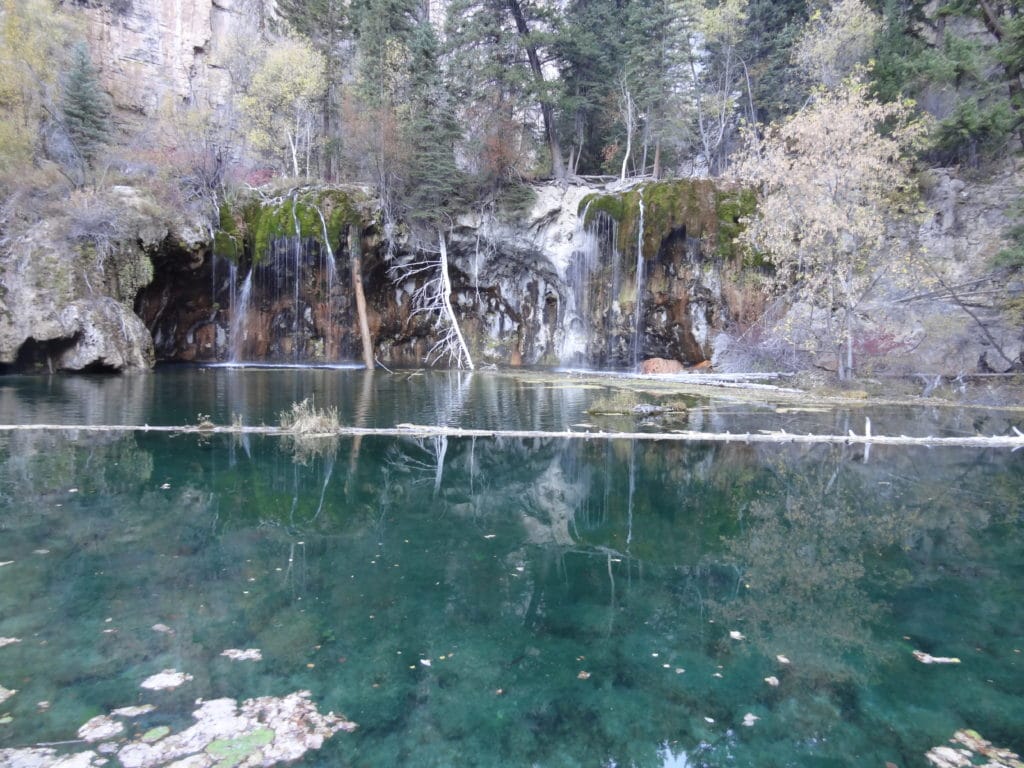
(1013, 441)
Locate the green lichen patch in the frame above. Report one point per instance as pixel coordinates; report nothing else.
(230, 752)
(155, 734)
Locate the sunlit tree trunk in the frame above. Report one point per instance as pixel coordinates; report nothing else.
(355, 253)
(629, 118)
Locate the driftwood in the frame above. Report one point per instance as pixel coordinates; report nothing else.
(1014, 441)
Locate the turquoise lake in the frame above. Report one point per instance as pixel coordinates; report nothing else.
(499, 602)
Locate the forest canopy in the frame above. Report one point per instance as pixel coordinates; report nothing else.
(443, 105)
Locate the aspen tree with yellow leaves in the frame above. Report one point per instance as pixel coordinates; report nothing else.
(830, 177)
(283, 102)
(33, 37)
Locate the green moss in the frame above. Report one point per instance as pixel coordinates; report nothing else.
(228, 240)
(734, 207)
(134, 272)
(705, 210)
(257, 224)
(612, 205)
(230, 752)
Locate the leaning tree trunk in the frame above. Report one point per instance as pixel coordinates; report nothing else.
(355, 253)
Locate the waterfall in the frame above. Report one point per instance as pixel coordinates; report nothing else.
(239, 315)
(284, 310)
(298, 274)
(596, 251)
(232, 287)
(576, 325)
(328, 266)
(641, 279)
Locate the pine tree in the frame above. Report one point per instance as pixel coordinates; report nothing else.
(592, 48)
(973, 83)
(85, 107)
(431, 178)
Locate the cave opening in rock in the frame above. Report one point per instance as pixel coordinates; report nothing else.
(44, 355)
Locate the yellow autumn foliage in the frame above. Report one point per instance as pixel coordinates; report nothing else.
(836, 41)
(33, 39)
(281, 105)
(831, 177)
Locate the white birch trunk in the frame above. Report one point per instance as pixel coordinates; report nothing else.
(628, 115)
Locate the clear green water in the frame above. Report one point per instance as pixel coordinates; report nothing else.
(513, 569)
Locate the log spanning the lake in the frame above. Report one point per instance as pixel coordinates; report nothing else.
(1014, 441)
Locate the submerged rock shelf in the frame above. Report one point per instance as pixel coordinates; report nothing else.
(262, 731)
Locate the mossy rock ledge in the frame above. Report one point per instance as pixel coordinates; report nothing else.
(703, 209)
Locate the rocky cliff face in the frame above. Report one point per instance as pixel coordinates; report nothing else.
(585, 277)
(151, 51)
(67, 285)
(946, 310)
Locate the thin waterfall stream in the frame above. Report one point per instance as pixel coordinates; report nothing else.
(239, 315)
(285, 309)
(641, 279)
(296, 307)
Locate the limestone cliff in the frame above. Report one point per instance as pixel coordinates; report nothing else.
(150, 52)
(68, 282)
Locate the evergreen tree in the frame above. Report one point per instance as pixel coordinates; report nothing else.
(592, 49)
(490, 85)
(972, 83)
(657, 73)
(85, 107)
(431, 179)
(505, 51)
(772, 30)
(383, 29)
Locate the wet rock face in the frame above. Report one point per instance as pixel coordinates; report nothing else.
(293, 309)
(540, 287)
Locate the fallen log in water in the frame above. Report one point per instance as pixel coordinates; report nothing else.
(1013, 441)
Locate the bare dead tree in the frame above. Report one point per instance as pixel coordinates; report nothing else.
(432, 297)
